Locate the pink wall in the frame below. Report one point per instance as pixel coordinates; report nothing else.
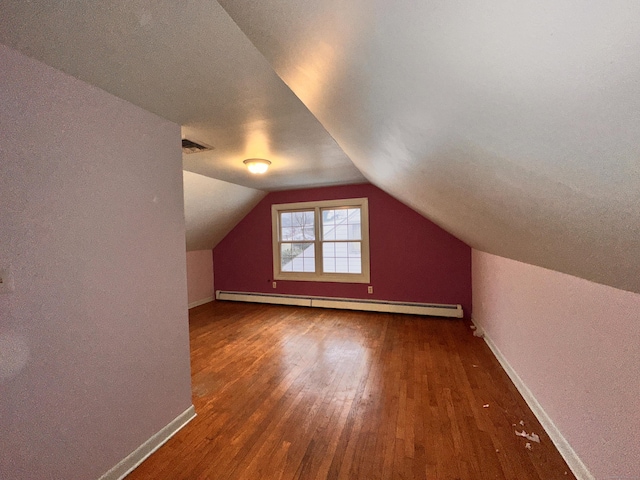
(94, 341)
(199, 276)
(576, 345)
(412, 259)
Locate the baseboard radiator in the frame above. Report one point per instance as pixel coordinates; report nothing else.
(430, 309)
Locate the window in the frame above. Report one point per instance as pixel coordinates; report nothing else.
(324, 241)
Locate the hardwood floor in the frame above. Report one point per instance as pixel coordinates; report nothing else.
(300, 393)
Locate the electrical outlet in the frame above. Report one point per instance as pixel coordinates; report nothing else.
(274, 284)
(370, 289)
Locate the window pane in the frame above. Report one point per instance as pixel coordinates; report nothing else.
(355, 231)
(341, 224)
(355, 257)
(328, 250)
(310, 215)
(328, 225)
(303, 224)
(355, 265)
(353, 222)
(342, 232)
(341, 215)
(297, 257)
(285, 219)
(286, 234)
(297, 226)
(354, 215)
(342, 257)
(309, 264)
(308, 233)
(328, 265)
(342, 250)
(342, 265)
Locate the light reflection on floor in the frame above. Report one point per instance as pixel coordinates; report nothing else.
(341, 351)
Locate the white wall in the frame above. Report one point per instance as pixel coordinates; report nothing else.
(200, 277)
(576, 346)
(94, 347)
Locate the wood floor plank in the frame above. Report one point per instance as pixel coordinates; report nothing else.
(297, 393)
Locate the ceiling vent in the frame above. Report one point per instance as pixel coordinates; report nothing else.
(189, 146)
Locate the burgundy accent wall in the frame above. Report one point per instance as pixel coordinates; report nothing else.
(412, 259)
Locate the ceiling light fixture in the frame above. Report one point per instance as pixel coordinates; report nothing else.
(257, 165)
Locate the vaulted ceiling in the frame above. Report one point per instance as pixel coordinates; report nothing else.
(513, 125)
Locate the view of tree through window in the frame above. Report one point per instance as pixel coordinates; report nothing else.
(297, 234)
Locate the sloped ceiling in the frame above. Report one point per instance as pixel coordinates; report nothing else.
(213, 207)
(513, 125)
(189, 63)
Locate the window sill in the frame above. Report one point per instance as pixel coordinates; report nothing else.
(323, 278)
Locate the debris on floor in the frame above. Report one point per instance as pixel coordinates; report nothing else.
(528, 446)
(486, 405)
(474, 365)
(477, 331)
(521, 423)
(533, 437)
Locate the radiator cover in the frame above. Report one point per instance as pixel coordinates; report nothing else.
(430, 309)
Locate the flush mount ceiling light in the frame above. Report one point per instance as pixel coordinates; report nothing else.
(257, 165)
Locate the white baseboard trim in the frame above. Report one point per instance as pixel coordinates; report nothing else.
(578, 468)
(431, 309)
(140, 454)
(197, 303)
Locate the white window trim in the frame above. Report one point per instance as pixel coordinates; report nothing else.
(318, 276)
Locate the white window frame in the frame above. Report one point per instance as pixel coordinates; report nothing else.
(317, 207)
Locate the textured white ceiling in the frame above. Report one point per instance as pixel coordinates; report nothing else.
(190, 63)
(514, 125)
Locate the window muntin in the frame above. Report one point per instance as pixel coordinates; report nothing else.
(321, 241)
